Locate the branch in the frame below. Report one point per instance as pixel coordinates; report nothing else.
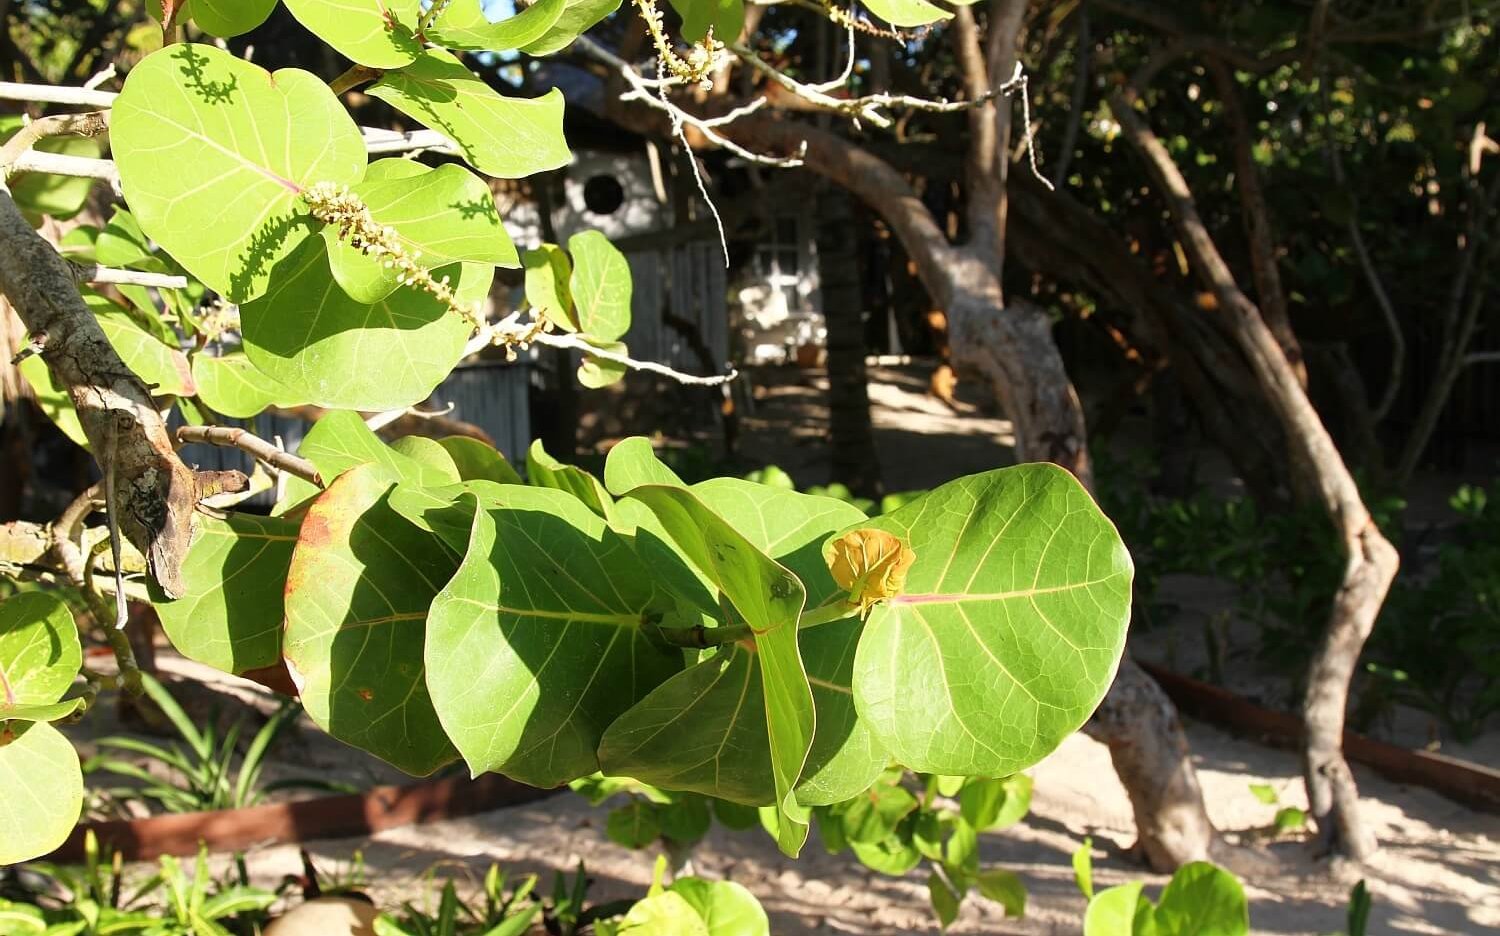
(245, 441)
(91, 124)
(1482, 357)
(55, 94)
(94, 273)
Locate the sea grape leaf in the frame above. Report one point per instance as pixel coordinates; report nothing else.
(633, 825)
(873, 815)
(43, 193)
(357, 595)
(542, 470)
(600, 286)
(596, 372)
(632, 462)
(340, 440)
(664, 914)
(994, 804)
(226, 18)
(214, 152)
(51, 712)
(769, 598)
(1113, 911)
(463, 25)
(727, 908)
(429, 452)
(39, 651)
(440, 216)
(577, 18)
(536, 646)
(1204, 899)
(479, 461)
(702, 730)
(164, 369)
(234, 575)
(506, 137)
(312, 338)
(944, 899)
(725, 17)
(1005, 888)
(233, 386)
(43, 785)
(1013, 617)
(906, 14)
(377, 33)
(52, 397)
(547, 288)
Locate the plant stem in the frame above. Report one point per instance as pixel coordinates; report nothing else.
(354, 77)
(698, 636)
(835, 609)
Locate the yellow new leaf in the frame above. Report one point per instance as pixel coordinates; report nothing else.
(871, 565)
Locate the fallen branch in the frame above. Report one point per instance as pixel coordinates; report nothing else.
(245, 441)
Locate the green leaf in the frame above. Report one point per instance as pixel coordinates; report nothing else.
(429, 452)
(895, 856)
(1265, 793)
(633, 825)
(1290, 819)
(543, 470)
(310, 337)
(441, 216)
(55, 711)
(577, 18)
(1014, 614)
(164, 369)
(52, 398)
(506, 137)
(769, 598)
(944, 899)
(727, 908)
(665, 914)
(1203, 900)
(478, 461)
(961, 853)
(1113, 911)
(44, 791)
(340, 440)
(463, 25)
(231, 610)
(226, 18)
(873, 816)
(1005, 888)
(39, 651)
(600, 286)
(358, 590)
(995, 804)
(534, 647)
(595, 372)
(42, 193)
(214, 152)
(1083, 867)
(906, 14)
(686, 820)
(633, 462)
(19, 919)
(547, 285)
(725, 17)
(233, 386)
(377, 33)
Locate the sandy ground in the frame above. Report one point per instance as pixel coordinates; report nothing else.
(1438, 870)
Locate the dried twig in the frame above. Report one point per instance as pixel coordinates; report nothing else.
(245, 441)
(94, 273)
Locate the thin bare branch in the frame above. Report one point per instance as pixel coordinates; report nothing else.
(94, 273)
(55, 94)
(245, 441)
(61, 164)
(91, 124)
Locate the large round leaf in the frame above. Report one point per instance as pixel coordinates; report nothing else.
(377, 33)
(1010, 628)
(214, 153)
(230, 613)
(232, 386)
(441, 216)
(43, 785)
(39, 655)
(463, 25)
(535, 646)
(310, 337)
(506, 137)
(576, 19)
(357, 593)
(600, 286)
(227, 18)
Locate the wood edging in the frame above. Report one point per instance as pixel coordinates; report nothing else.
(381, 807)
(1462, 781)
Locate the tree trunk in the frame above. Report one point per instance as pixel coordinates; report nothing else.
(856, 462)
(1315, 461)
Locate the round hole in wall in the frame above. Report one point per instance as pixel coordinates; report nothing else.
(603, 194)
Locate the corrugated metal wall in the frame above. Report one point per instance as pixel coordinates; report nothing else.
(689, 281)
